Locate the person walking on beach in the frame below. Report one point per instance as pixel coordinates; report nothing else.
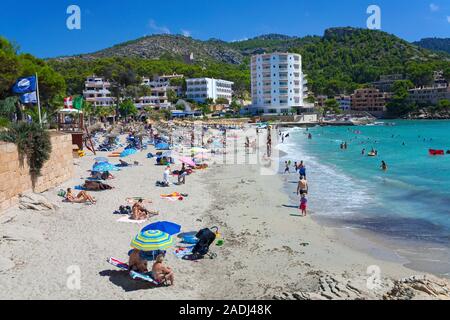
(182, 175)
(303, 204)
(302, 187)
(269, 144)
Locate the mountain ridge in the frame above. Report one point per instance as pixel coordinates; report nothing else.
(178, 46)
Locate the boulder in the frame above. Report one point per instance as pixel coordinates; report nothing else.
(34, 201)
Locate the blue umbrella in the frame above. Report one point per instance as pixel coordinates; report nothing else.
(164, 226)
(128, 152)
(104, 167)
(162, 146)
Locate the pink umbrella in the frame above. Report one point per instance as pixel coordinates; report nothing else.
(187, 161)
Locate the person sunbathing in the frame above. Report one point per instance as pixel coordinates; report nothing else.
(162, 273)
(136, 263)
(138, 212)
(81, 197)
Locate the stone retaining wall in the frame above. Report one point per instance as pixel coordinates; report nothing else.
(15, 178)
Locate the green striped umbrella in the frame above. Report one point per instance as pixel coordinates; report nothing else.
(152, 240)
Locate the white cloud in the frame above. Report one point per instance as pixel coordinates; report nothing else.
(186, 33)
(158, 29)
(434, 7)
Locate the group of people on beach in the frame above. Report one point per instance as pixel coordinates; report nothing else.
(160, 272)
(302, 186)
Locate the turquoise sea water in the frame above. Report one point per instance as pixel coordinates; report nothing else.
(411, 201)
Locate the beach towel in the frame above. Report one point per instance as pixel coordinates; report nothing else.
(96, 186)
(173, 196)
(181, 252)
(133, 274)
(127, 219)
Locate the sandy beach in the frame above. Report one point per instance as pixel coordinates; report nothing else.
(269, 251)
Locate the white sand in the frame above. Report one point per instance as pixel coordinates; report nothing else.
(262, 254)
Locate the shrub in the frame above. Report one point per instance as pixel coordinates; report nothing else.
(33, 142)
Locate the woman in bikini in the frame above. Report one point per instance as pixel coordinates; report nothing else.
(81, 197)
(160, 272)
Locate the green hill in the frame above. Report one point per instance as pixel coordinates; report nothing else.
(436, 44)
(338, 62)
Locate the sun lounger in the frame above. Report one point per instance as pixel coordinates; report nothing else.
(133, 274)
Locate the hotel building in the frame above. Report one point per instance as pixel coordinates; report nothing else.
(369, 100)
(158, 98)
(278, 84)
(96, 91)
(201, 89)
(345, 102)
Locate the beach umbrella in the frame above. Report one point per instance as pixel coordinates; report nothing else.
(101, 159)
(128, 152)
(164, 226)
(104, 167)
(187, 161)
(152, 240)
(162, 146)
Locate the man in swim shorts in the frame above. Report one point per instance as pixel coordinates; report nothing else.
(302, 187)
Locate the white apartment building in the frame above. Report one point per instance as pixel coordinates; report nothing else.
(159, 86)
(278, 84)
(430, 95)
(96, 91)
(201, 89)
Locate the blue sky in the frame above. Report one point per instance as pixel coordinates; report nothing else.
(39, 27)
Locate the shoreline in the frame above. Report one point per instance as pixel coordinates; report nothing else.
(384, 246)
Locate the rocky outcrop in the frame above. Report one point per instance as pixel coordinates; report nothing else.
(426, 114)
(174, 46)
(337, 288)
(419, 288)
(34, 201)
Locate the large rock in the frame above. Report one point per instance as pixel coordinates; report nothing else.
(36, 202)
(419, 287)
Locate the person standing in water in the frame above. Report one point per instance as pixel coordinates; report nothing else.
(286, 169)
(384, 166)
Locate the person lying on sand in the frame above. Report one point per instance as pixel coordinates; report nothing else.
(136, 263)
(81, 197)
(161, 272)
(138, 212)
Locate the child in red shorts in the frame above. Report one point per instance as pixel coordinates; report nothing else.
(303, 204)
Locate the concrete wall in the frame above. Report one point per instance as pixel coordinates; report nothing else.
(15, 179)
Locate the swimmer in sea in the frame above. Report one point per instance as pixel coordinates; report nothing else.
(384, 166)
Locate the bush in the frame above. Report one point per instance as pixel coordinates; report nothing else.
(33, 142)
